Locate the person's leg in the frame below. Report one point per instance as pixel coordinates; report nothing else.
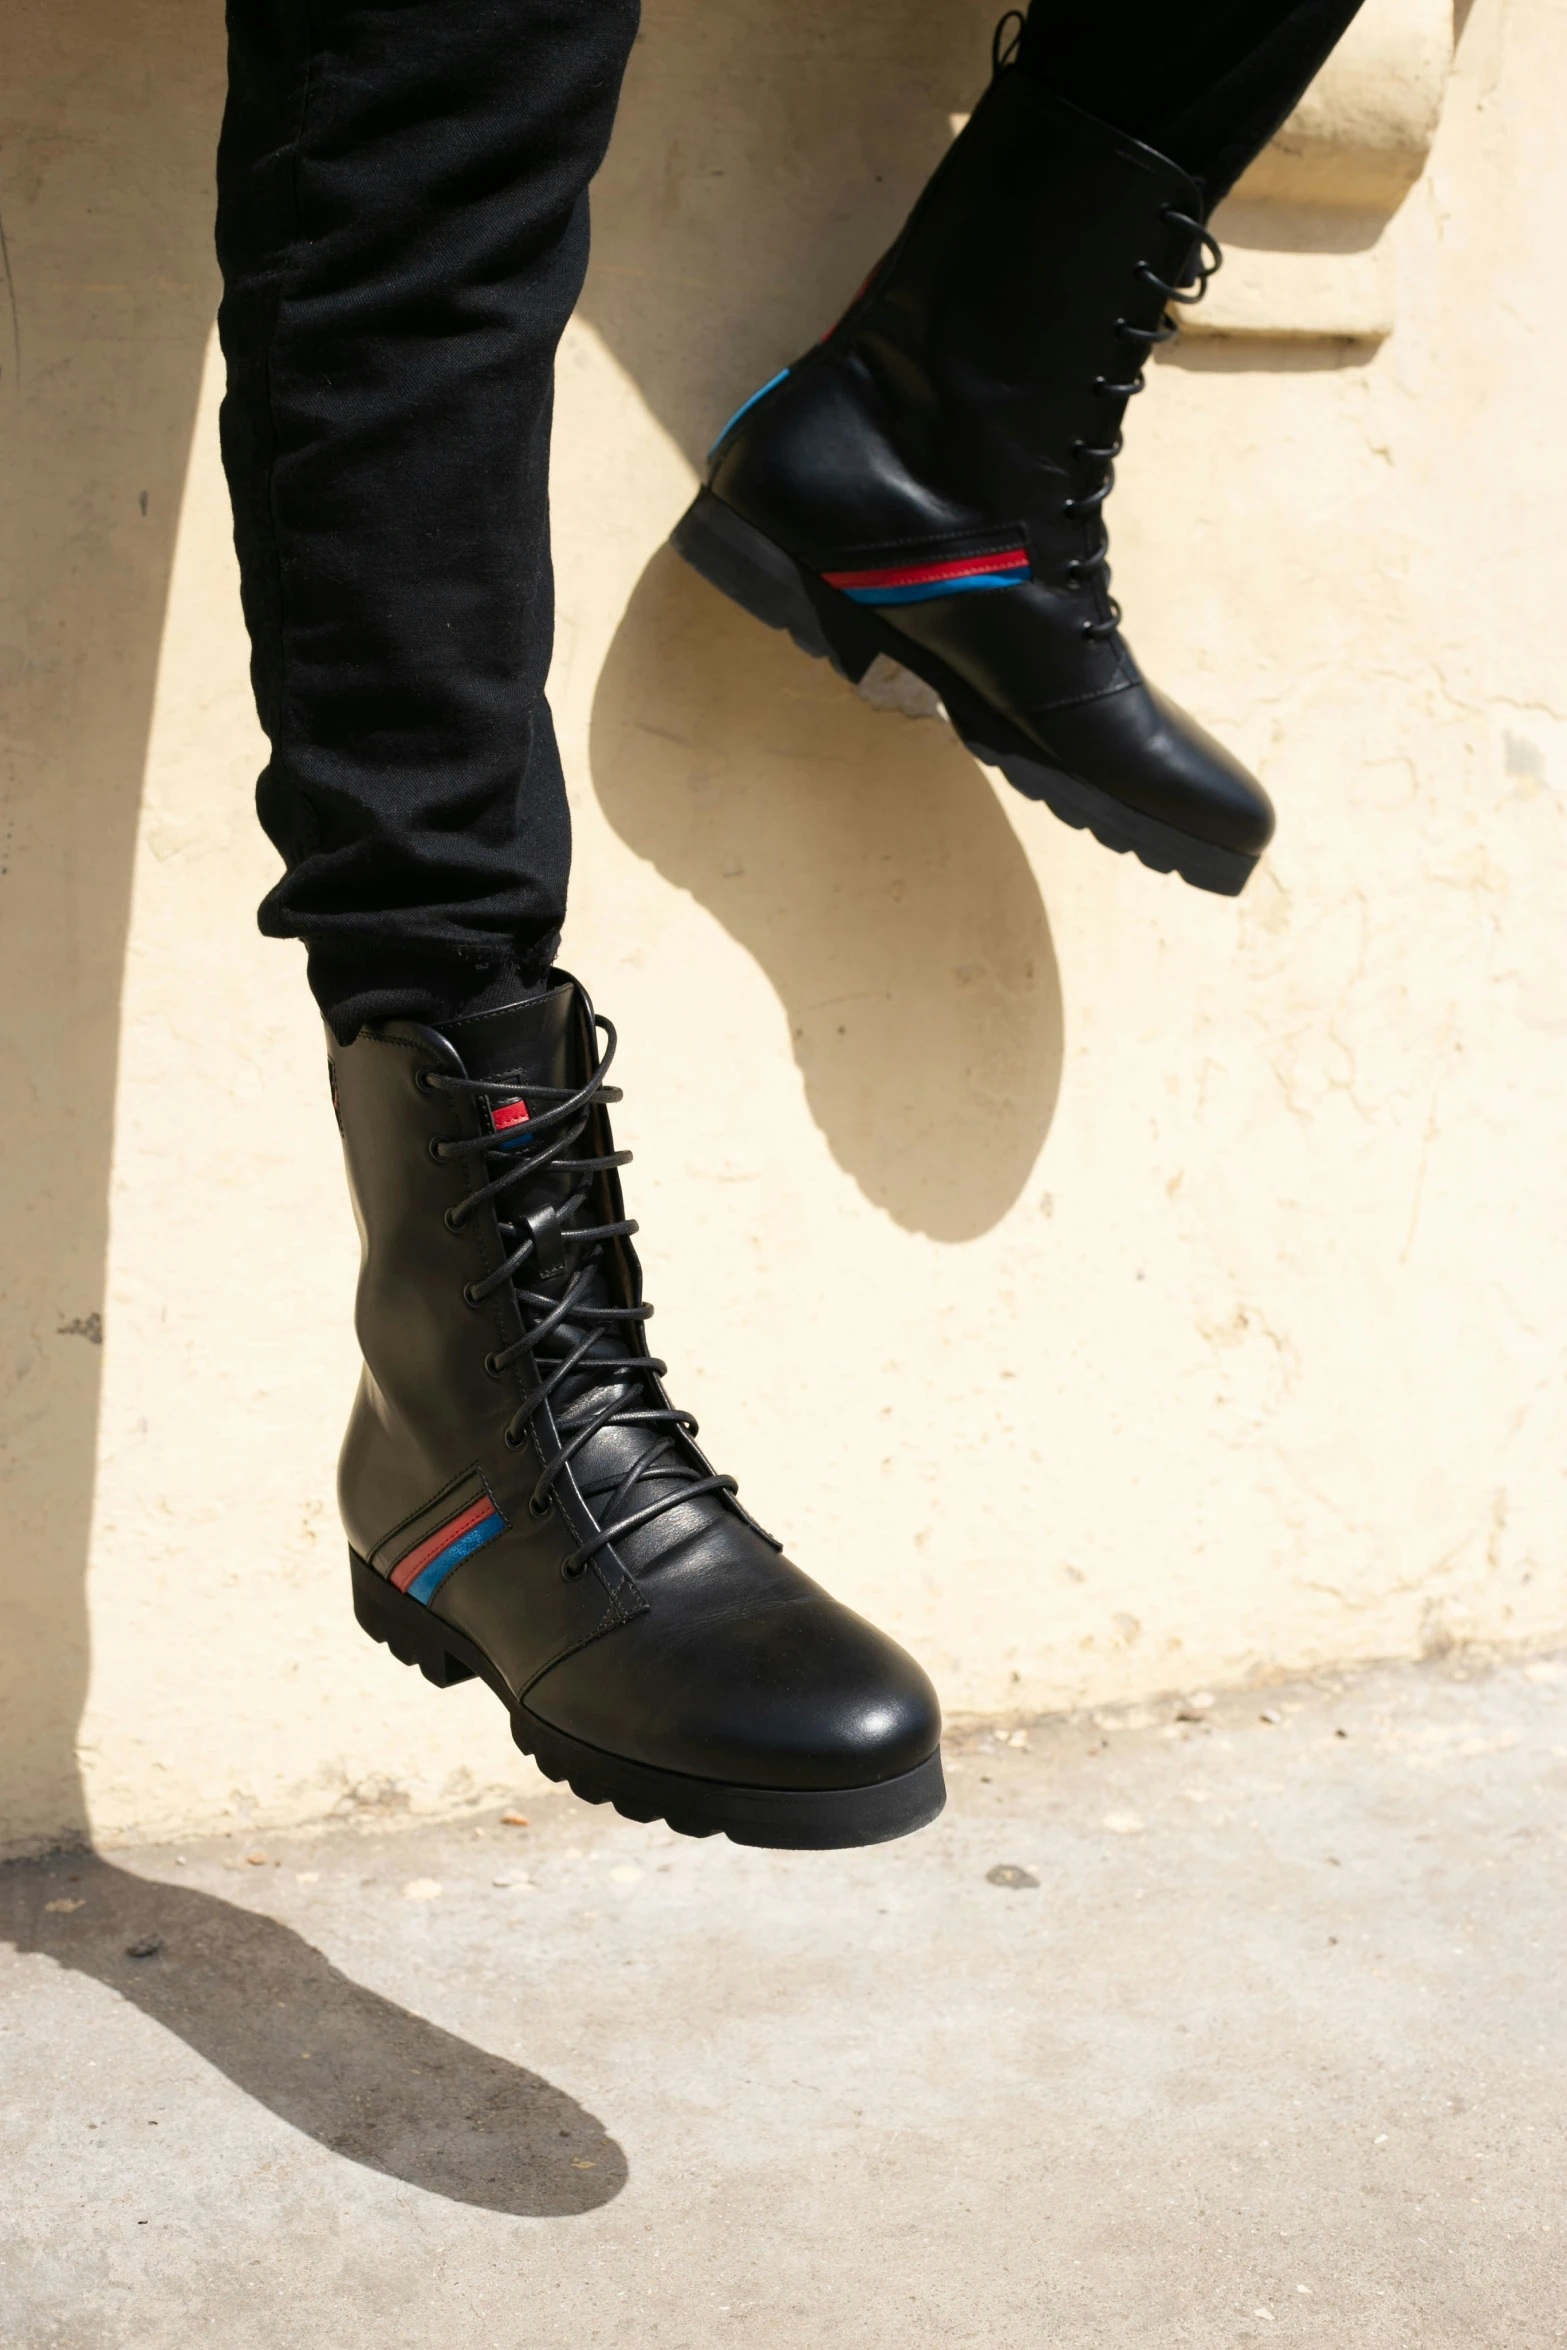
(927, 483)
(403, 229)
(1206, 82)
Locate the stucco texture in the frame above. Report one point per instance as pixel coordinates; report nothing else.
(1110, 1288)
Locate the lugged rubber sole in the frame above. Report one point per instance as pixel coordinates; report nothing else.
(783, 1818)
(745, 565)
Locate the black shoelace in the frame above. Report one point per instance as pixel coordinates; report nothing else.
(1208, 256)
(597, 1389)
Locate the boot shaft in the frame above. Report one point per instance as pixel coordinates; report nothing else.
(1041, 237)
(429, 1317)
(998, 339)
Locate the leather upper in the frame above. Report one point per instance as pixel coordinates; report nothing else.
(691, 1644)
(956, 399)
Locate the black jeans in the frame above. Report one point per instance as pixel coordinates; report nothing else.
(403, 230)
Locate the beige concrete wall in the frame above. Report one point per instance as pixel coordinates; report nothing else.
(1111, 1288)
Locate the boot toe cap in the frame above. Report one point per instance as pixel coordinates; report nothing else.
(1145, 750)
(802, 1696)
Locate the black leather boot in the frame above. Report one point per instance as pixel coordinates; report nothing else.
(928, 482)
(524, 1503)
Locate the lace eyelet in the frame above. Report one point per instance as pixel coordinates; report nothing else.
(455, 1220)
(512, 1443)
(493, 1369)
(571, 1570)
(539, 1510)
(437, 1150)
(468, 1297)
(422, 1082)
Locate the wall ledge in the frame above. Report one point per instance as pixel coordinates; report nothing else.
(1306, 253)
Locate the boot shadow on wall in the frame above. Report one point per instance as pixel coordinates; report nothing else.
(865, 862)
(765, 154)
(763, 158)
(380, 2085)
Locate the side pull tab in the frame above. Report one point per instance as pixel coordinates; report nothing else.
(549, 1242)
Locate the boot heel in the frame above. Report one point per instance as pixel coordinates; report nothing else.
(764, 581)
(413, 1635)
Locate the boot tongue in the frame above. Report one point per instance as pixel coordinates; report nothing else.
(541, 1040)
(540, 1048)
(546, 1041)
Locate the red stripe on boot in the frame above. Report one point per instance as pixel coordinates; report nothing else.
(922, 574)
(433, 1544)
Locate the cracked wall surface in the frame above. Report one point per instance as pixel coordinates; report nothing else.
(1111, 1288)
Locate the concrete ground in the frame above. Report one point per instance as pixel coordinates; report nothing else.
(1217, 2023)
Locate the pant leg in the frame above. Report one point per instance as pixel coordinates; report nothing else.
(1207, 82)
(403, 230)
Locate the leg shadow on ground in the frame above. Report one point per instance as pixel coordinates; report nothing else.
(380, 2085)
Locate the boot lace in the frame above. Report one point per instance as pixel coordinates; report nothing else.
(571, 1334)
(1006, 40)
(1097, 459)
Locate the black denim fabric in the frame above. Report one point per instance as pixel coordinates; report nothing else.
(1207, 82)
(403, 231)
